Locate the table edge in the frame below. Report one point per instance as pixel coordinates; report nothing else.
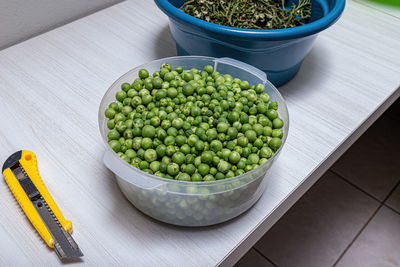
(251, 239)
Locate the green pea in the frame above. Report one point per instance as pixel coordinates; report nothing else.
(199, 145)
(211, 134)
(173, 169)
(143, 74)
(125, 158)
(242, 141)
(234, 157)
(155, 166)
(222, 127)
(265, 152)
(208, 178)
(246, 127)
(241, 164)
(272, 114)
(183, 177)
(147, 143)
(233, 116)
(232, 132)
(188, 89)
(260, 88)
(115, 145)
(213, 171)
(150, 155)
(221, 137)
(178, 158)
(203, 169)
(120, 127)
(258, 128)
(163, 167)
(229, 174)
(185, 148)
(252, 119)
(128, 143)
(131, 93)
(170, 150)
(189, 159)
(120, 96)
(110, 113)
(206, 157)
(231, 145)
(113, 135)
(275, 143)
(251, 135)
(125, 87)
(148, 131)
(143, 165)
(262, 108)
(277, 133)
(187, 76)
(225, 153)
(172, 132)
(111, 124)
(180, 140)
(223, 166)
(258, 143)
(177, 123)
(196, 177)
(119, 117)
(209, 69)
(277, 123)
(254, 149)
(172, 92)
(273, 105)
(161, 150)
(190, 169)
(253, 158)
(114, 106)
(244, 85)
(219, 176)
(267, 131)
(192, 140)
(216, 145)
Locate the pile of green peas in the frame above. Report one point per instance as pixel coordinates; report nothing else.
(193, 125)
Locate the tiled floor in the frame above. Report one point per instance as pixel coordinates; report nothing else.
(351, 216)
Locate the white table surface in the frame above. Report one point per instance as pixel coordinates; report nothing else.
(379, 5)
(50, 90)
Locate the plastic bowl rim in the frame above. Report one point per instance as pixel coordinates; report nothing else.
(152, 176)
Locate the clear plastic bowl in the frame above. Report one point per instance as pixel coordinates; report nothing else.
(191, 203)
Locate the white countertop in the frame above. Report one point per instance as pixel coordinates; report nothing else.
(379, 5)
(50, 90)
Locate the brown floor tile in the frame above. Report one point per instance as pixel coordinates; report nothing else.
(373, 162)
(253, 259)
(378, 244)
(318, 228)
(394, 200)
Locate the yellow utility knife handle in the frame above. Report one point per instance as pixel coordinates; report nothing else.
(29, 163)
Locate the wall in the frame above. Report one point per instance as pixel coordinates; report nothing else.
(23, 19)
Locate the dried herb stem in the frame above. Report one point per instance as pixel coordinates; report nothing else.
(250, 14)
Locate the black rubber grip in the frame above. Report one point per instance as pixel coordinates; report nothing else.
(14, 158)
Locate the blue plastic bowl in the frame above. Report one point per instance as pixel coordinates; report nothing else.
(277, 52)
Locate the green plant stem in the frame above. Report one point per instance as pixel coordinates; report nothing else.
(250, 14)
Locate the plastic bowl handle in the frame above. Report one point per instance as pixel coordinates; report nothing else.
(241, 64)
(125, 172)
